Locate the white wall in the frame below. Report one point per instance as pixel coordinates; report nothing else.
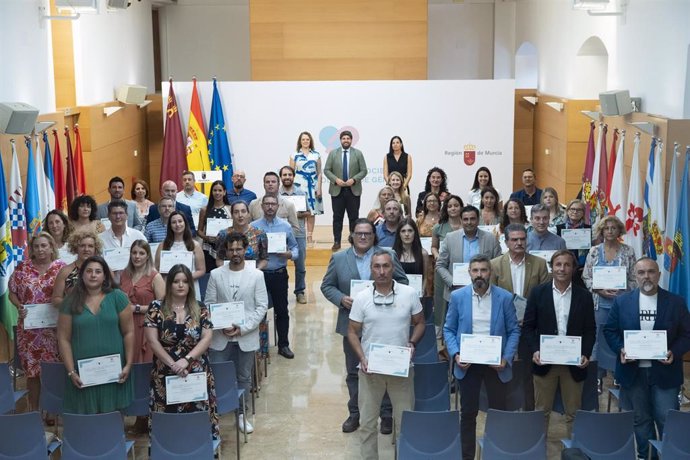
(113, 48)
(504, 39)
(205, 39)
(26, 60)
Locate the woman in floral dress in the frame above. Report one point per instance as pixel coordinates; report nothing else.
(307, 165)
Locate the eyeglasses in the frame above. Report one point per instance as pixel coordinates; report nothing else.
(381, 300)
(362, 235)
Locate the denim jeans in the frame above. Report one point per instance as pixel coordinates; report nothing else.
(300, 265)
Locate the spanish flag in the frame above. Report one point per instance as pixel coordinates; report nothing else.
(197, 146)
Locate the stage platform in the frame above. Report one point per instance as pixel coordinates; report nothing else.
(319, 252)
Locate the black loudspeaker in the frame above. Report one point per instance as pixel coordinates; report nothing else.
(615, 102)
(17, 118)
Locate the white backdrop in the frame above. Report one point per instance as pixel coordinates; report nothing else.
(438, 121)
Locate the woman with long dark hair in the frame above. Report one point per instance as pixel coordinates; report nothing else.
(218, 208)
(399, 161)
(413, 258)
(436, 182)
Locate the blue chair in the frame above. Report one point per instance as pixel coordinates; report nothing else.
(141, 373)
(431, 387)
(602, 435)
(8, 397)
(426, 350)
(513, 435)
(675, 442)
(228, 395)
(22, 437)
(95, 436)
(203, 284)
(182, 436)
(53, 376)
(429, 435)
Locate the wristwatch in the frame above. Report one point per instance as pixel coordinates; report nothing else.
(188, 358)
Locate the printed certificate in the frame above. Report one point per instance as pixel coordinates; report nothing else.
(215, 225)
(277, 242)
(116, 258)
(560, 349)
(227, 314)
(480, 349)
(546, 255)
(171, 258)
(461, 274)
(180, 390)
(416, 283)
(389, 360)
(645, 344)
(357, 286)
(300, 201)
(609, 278)
(493, 229)
(426, 243)
(40, 315)
(577, 238)
(99, 370)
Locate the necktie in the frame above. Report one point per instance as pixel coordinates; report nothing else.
(345, 166)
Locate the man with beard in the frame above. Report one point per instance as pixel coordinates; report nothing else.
(238, 192)
(650, 387)
(290, 189)
(480, 309)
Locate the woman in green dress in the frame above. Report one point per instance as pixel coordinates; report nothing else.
(96, 320)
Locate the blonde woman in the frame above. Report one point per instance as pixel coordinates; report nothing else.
(84, 244)
(395, 180)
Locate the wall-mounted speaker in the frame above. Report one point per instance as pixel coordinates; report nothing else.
(131, 94)
(615, 102)
(17, 118)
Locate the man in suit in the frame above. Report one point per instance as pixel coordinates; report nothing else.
(236, 282)
(461, 245)
(354, 263)
(116, 188)
(519, 272)
(480, 309)
(560, 308)
(169, 190)
(345, 169)
(651, 387)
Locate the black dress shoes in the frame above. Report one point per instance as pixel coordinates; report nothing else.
(335, 246)
(386, 425)
(286, 352)
(351, 424)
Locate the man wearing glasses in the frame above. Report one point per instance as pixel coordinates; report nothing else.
(238, 192)
(381, 315)
(350, 264)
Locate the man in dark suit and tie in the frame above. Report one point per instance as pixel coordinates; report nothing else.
(345, 169)
(169, 190)
(651, 387)
(560, 308)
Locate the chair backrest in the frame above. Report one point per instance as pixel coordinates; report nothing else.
(6, 390)
(431, 387)
(429, 435)
(426, 350)
(514, 435)
(141, 373)
(94, 436)
(604, 434)
(203, 284)
(225, 376)
(676, 442)
(53, 376)
(181, 436)
(22, 437)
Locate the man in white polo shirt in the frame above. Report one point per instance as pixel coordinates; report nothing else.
(382, 315)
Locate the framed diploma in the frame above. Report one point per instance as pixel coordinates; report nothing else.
(546, 255)
(227, 314)
(560, 349)
(426, 243)
(180, 390)
(520, 306)
(480, 349)
(277, 242)
(171, 258)
(502, 243)
(645, 344)
(357, 286)
(389, 360)
(40, 315)
(461, 274)
(609, 278)
(99, 370)
(416, 283)
(577, 238)
(116, 258)
(215, 225)
(299, 201)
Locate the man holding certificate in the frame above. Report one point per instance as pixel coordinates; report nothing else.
(560, 330)
(381, 316)
(281, 247)
(477, 314)
(236, 332)
(649, 370)
(292, 192)
(119, 237)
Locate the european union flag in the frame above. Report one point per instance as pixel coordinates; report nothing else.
(218, 147)
(679, 278)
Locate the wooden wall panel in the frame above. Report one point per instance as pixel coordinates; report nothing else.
(523, 140)
(63, 61)
(346, 40)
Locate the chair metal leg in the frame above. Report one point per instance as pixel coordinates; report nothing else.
(237, 431)
(244, 428)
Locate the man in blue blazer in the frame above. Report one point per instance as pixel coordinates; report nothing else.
(480, 309)
(650, 386)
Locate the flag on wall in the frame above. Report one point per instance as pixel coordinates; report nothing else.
(8, 314)
(32, 200)
(221, 157)
(670, 226)
(42, 181)
(71, 179)
(173, 162)
(654, 221)
(17, 214)
(197, 145)
(48, 174)
(588, 173)
(593, 198)
(603, 179)
(59, 176)
(617, 201)
(633, 216)
(679, 278)
(79, 163)
(610, 167)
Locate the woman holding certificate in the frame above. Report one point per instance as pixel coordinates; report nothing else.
(216, 212)
(179, 331)
(84, 244)
(31, 289)
(608, 272)
(413, 258)
(575, 220)
(96, 341)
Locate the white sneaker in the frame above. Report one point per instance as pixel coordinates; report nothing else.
(244, 424)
